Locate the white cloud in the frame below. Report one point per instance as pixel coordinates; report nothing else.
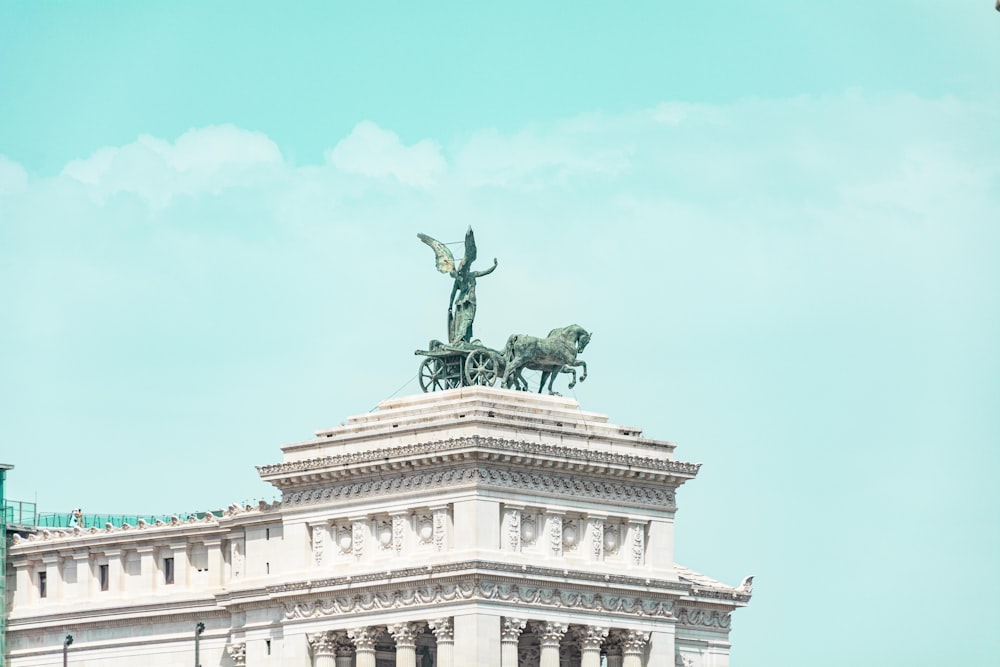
(13, 177)
(201, 159)
(371, 151)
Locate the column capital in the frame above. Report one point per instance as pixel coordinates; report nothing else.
(443, 628)
(363, 638)
(405, 634)
(323, 643)
(550, 633)
(591, 636)
(511, 628)
(634, 642)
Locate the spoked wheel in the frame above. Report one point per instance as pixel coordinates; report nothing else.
(432, 375)
(481, 368)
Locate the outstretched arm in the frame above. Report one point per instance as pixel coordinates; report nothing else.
(480, 274)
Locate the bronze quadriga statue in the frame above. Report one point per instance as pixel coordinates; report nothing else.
(465, 361)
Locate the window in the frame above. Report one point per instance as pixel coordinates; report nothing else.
(267, 568)
(267, 533)
(43, 589)
(168, 570)
(268, 642)
(102, 574)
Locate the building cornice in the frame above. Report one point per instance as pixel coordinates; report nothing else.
(478, 448)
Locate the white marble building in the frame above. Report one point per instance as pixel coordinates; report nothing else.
(474, 527)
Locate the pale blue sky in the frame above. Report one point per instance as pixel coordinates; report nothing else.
(779, 218)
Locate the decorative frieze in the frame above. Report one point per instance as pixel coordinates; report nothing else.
(603, 490)
(353, 602)
(625, 464)
(703, 618)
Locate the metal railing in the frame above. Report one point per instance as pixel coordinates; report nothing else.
(20, 513)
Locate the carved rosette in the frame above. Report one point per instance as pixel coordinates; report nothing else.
(398, 524)
(358, 539)
(440, 516)
(238, 653)
(511, 628)
(443, 629)
(363, 638)
(405, 634)
(323, 643)
(634, 642)
(550, 634)
(591, 637)
(317, 544)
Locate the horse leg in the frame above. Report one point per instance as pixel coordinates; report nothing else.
(545, 376)
(570, 369)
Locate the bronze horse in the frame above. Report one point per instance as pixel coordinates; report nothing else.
(551, 355)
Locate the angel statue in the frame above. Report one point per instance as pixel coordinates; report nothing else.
(462, 303)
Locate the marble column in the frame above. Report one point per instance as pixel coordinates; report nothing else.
(324, 647)
(405, 635)
(345, 655)
(364, 646)
(444, 632)
(510, 633)
(613, 651)
(633, 647)
(550, 634)
(591, 637)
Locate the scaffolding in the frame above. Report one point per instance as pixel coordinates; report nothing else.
(4, 467)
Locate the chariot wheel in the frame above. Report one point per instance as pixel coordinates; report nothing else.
(482, 368)
(432, 375)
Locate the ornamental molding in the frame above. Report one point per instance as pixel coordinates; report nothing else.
(489, 448)
(551, 484)
(704, 618)
(478, 589)
(494, 567)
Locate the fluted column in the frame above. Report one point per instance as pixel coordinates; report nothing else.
(345, 655)
(591, 637)
(405, 635)
(364, 646)
(510, 633)
(633, 646)
(324, 646)
(550, 635)
(444, 632)
(614, 655)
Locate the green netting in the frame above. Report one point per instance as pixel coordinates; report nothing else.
(59, 520)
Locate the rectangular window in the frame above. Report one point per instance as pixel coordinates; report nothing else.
(267, 568)
(268, 641)
(267, 533)
(168, 570)
(43, 589)
(102, 574)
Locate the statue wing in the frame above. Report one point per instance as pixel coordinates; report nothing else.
(470, 248)
(445, 260)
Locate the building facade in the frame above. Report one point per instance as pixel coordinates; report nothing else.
(469, 527)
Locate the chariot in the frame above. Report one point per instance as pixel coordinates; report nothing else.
(450, 366)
